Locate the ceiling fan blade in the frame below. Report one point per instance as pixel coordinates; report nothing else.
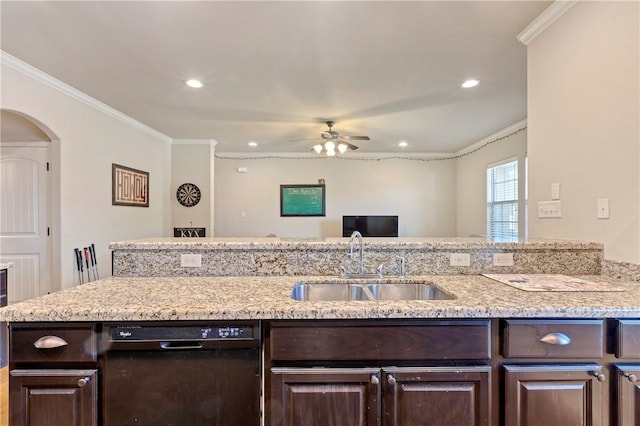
(355, 138)
(349, 145)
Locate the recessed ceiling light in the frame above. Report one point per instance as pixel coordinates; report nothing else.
(403, 144)
(253, 143)
(470, 83)
(196, 84)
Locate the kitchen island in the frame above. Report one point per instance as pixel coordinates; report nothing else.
(485, 357)
(491, 355)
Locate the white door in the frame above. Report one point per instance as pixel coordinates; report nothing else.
(24, 219)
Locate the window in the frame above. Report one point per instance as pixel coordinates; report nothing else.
(502, 201)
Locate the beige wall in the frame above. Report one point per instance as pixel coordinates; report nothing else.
(421, 193)
(192, 162)
(583, 116)
(88, 142)
(471, 204)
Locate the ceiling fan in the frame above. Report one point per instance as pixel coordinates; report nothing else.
(331, 140)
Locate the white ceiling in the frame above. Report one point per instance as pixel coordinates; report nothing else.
(275, 71)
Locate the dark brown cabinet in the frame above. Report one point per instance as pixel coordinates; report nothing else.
(391, 396)
(53, 397)
(428, 373)
(554, 395)
(549, 376)
(436, 396)
(53, 376)
(4, 339)
(628, 395)
(325, 396)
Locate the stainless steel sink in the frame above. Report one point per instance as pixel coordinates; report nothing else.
(345, 291)
(327, 292)
(407, 291)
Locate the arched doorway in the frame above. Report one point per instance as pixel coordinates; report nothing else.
(26, 211)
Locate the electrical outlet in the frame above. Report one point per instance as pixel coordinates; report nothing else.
(190, 260)
(502, 259)
(460, 259)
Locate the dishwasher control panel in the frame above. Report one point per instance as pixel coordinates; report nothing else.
(133, 332)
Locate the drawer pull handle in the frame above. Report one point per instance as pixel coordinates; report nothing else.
(599, 376)
(391, 380)
(559, 339)
(375, 380)
(631, 377)
(50, 342)
(83, 382)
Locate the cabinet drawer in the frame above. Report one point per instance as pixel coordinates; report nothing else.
(437, 340)
(628, 339)
(68, 344)
(553, 338)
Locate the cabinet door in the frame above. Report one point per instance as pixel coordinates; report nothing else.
(53, 397)
(324, 396)
(554, 395)
(628, 412)
(437, 396)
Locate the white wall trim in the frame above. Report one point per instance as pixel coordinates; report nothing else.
(22, 142)
(497, 135)
(546, 18)
(42, 77)
(348, 156)
(208, 142)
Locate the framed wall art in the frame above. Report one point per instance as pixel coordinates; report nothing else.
(129, 187)
(302, 200)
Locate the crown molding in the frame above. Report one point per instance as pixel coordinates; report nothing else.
(33, 72)
(313, 156)
(546, 18)
(207, 142)
(497, 135)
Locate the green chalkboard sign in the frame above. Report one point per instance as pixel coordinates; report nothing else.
(302, 200)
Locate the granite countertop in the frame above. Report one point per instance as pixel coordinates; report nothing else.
(212, 243)
(227, 298)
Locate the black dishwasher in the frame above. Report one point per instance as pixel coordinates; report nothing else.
(181, 374)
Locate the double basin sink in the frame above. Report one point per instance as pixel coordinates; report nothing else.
(366, 291)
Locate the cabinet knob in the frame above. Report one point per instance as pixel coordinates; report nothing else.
(599, 376)
(374, 380)
(631, 377)
(391, 380)
(559, 339)
(49, 342)
(84, 381)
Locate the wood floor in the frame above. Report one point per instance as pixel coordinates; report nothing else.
(4, 396)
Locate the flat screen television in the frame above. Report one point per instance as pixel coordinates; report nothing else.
(370, 226)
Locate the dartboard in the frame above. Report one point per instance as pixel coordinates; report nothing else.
(188, 194)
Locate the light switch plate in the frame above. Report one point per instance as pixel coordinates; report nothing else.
(603, 208)
(460, 259)
(555, 191)
(549, 209)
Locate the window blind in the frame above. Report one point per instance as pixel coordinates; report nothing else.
(502, 201)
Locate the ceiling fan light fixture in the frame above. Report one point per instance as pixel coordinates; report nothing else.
(342, 148)
(331, 153)
(330, 146)
(317, 148)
